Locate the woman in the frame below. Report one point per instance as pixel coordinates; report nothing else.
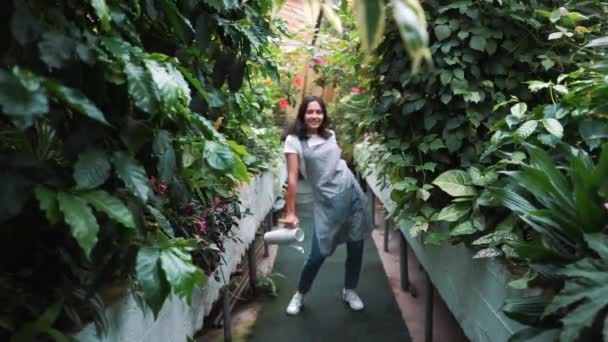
(339, 213)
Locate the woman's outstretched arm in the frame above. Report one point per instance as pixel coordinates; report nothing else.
(290, 219)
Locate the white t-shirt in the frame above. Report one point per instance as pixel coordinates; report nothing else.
(293, 145)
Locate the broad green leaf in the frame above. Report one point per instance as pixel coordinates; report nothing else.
(179, 24)
(456, 183)
(163, 150)
(478, 43)
(593, 132)
(598, 42)
(22, 98)
(182, 275)
(103, 12)
(76, 100)
(56, 49)
(132, 174)
(423, 194)
(411, 21)
(535, 86)
(554, 127)
(442, 32)
(370, 16)
(151, 278)
(238, 149)
(92, 169)
(332, 17)
(240, 170)
(162, 221)
(406, 184)
(215, 98)
(480, 179)
(218, 156)
(111, 206)
(526, 129)
(453, 212)
(519, 109)
(464, 228)
(598, 242)
(48, 203)
(561, 89)
(141, 89)
(436, 238)
(171, 86)
(79, 216)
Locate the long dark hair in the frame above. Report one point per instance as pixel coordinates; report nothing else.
(298, 128)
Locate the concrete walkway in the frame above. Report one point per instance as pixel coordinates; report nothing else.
(325, 317)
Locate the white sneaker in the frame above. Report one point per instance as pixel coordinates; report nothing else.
(352, 299)
(295, 304)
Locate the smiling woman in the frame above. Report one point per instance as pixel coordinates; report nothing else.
(339, 216)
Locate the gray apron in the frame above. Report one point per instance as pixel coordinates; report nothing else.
(339, 211)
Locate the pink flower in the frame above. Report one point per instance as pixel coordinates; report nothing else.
(357, 90)
(318, 60)
(283, 103)
(298, 81)
(161, 188)
(200, 226)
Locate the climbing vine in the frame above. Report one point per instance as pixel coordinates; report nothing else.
(498, 145)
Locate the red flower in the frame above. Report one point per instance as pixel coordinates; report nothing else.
(283, 103)
(318, 60)
(298, 81)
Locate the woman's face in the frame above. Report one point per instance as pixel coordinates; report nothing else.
(313, 117)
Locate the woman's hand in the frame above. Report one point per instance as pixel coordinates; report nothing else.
(290, 220)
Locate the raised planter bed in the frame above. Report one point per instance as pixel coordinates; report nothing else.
(473, 289)
(177, 321)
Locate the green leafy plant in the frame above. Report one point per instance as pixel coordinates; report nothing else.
(116, 166)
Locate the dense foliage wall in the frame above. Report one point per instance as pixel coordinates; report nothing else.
(498, 144)
(125, 130)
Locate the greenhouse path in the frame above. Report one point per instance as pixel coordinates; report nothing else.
(325, 317)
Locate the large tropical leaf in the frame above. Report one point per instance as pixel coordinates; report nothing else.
(79, 216)
(218, 156)
(586, 289)
(76, 100)
(48, 203)
(141, 89)
(92, 169)
(151, 278)
(132, 174)
(111, 206)
(453, 212)
(181, 273)
(370, 16)
(456, 183)
(22, 97)
(103, 12)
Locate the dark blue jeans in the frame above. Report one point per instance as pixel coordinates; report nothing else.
(354, 256)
